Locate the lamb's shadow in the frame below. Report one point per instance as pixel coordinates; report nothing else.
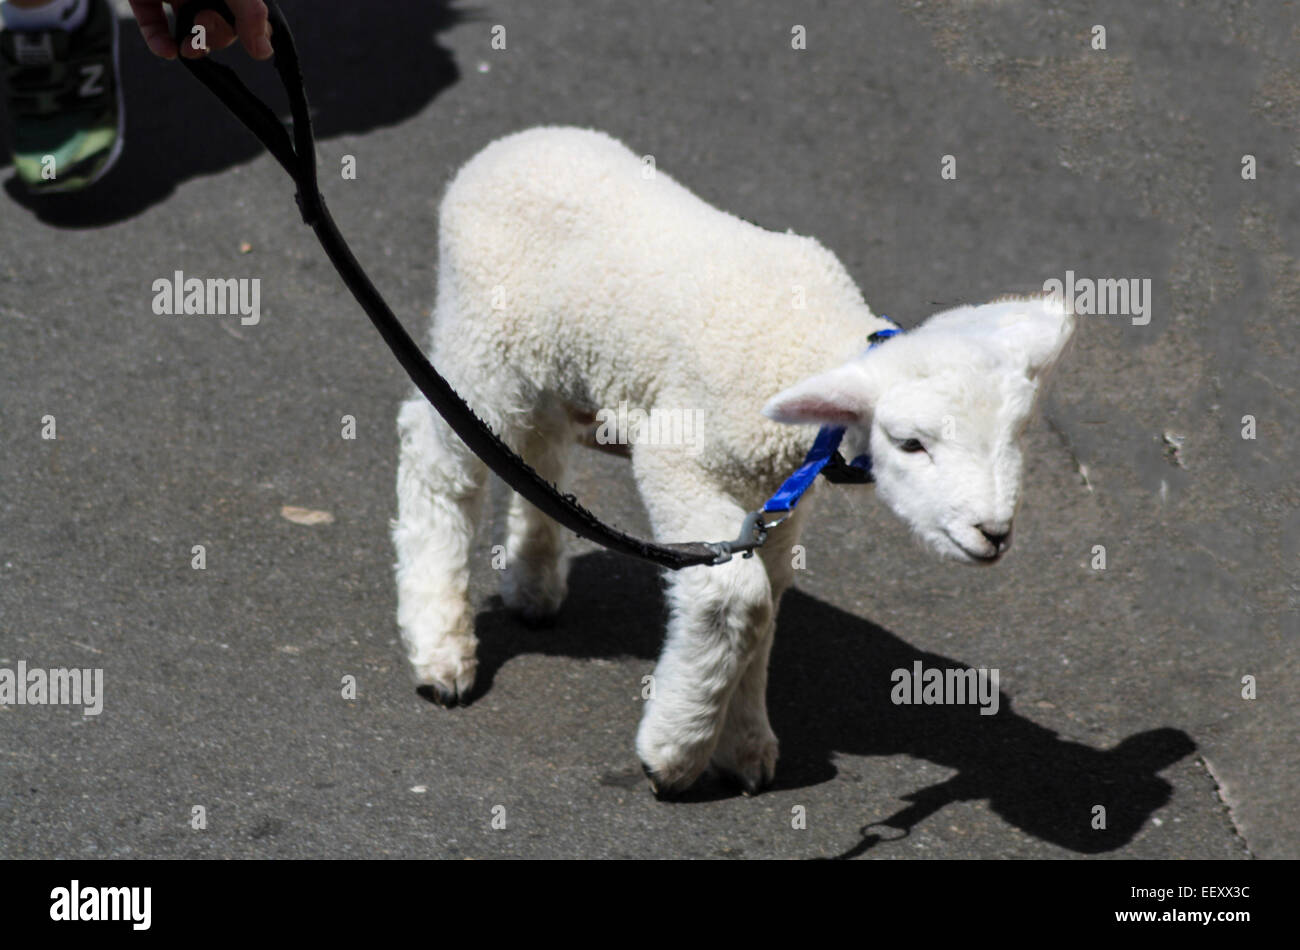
(1033, 778)
(365, 68)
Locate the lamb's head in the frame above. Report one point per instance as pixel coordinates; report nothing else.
(942, 408)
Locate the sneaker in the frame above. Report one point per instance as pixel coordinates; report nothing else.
(64, 100)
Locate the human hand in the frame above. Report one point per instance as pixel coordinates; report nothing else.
(251, 28)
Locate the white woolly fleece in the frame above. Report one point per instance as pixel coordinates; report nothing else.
(635, 290)
(574, 279)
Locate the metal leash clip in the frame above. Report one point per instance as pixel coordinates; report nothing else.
(753, 532)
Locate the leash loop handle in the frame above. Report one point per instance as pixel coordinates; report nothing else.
(296, 155)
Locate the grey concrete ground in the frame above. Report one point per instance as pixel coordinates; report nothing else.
(1121, 687)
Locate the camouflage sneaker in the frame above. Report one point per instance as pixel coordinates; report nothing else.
(64, 101)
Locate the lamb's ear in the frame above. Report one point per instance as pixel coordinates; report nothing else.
(1035, 330)
(840, 396)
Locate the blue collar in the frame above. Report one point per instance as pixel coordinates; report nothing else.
(824, 456)
(822, 459)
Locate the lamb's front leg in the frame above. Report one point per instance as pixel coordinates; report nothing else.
(718, 616)
(747, 748)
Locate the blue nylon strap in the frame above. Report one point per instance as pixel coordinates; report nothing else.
(820, 455)
(792, 489)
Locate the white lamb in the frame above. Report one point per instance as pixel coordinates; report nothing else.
(574, 278)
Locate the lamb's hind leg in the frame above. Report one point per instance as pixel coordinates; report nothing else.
(717, 619)
(440, 488)
(536, 576)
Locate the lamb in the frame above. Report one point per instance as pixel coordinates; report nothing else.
(574, 278)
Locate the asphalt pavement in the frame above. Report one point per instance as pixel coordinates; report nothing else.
(224, 688)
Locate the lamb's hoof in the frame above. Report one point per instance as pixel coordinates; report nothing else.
(674, 776)
(439, 695)
(671, 762)
(446, 682)
(749, 765)
(749, 784)
(662, 790)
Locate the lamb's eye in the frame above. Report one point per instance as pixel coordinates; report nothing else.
(911, 445)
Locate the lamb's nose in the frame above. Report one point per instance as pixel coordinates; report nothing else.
(997, 535)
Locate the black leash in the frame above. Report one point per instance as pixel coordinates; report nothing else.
(298, 156)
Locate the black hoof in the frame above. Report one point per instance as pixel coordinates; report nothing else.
(438, 695)
(659, 791)
(747, 787)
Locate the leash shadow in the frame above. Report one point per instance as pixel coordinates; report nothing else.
(365, 68)
(1037, 780)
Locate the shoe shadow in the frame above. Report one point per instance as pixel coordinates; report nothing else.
(366, 66)
(1045, 785)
